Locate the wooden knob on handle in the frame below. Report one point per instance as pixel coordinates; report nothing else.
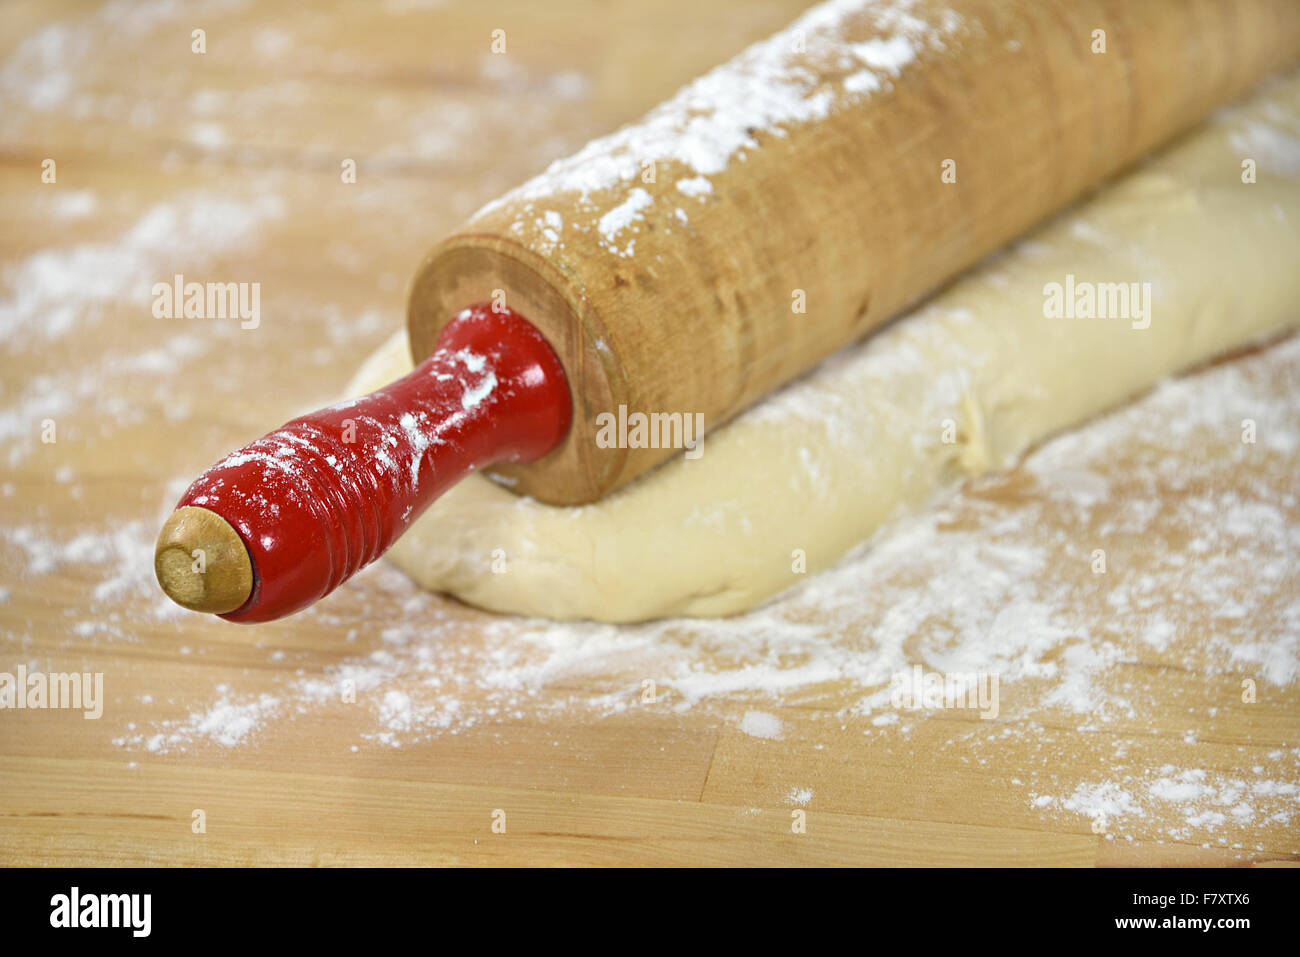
(201, 562)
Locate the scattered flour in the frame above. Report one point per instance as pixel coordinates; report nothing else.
(761, 724)
(697, 186)
(57, 291)
(74, 203)
(768, 89)
(1274, 146)
(800, 796)
(226, 722)
(622, 216)
(49, 67)
(971, 585)
(1199, 802)
(976, 584)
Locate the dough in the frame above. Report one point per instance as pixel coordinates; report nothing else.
(963, 385)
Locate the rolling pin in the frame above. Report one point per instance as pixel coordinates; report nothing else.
(773, 211)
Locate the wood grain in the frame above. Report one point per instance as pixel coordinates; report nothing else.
(265, 117)
(851, 210)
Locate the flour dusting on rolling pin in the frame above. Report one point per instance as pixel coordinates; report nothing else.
(853, 162)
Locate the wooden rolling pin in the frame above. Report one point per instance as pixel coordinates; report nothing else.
(773, 211)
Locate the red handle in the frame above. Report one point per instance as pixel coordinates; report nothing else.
(328, 493)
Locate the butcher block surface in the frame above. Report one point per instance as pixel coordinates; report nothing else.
(1145, 717)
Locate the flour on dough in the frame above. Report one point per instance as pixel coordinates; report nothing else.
(963, 385)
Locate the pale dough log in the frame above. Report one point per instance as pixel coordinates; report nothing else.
(819, 466)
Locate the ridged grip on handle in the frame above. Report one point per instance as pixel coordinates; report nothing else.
(326, 494)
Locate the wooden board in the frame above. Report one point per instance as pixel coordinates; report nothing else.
(225, 166)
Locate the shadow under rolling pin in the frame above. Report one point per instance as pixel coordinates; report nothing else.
(279, 524)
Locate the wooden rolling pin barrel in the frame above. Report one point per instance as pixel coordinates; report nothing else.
(773, 211)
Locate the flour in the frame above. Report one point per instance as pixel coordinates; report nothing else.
(800, 797)
(225, 722)
(761, 724)
(765, 91)
(621, 217)
(968, 586)
(1272, 146)
(1203, 803)
(74, 204)
(474, 394)
(420, 438)
(57, 291)
(49, 67)
(982, 582)
(695, 186)
(885, 56)
(1099, 802)
(209, 136)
